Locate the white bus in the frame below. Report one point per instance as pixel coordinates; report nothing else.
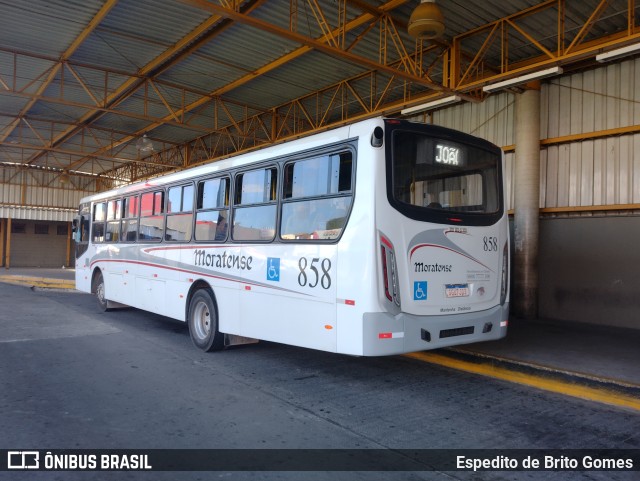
(378, 238)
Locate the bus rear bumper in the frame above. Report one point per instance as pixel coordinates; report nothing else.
(385, 334)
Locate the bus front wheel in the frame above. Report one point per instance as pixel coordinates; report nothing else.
(98, 288)
(203, 322)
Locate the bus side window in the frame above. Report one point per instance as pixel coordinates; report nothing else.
(130, 210)
(113, 220)
(151, 225)
(179, 213)
(97, 227)
(317, 197)
(212, 206)
(255, 200)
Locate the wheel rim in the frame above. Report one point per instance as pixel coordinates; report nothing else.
(202, 320)
(100, 292)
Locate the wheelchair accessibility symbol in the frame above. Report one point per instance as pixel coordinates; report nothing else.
(420, 291)
(273, 269)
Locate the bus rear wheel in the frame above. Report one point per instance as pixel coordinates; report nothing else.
(203, 322)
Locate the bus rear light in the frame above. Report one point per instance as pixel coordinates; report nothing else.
(390, 335)
(389, 271)
(504, 277)
(385, 275)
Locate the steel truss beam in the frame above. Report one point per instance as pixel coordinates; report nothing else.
(348, 100)
(494, 60)
(461, 72)
(401, 77)
(195, 39)
(102, 13)
(365, 19)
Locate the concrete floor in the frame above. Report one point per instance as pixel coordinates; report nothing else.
(74, 378)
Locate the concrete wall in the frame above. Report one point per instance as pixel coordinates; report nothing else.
(590, 270)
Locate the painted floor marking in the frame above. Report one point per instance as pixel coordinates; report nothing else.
(583, 392)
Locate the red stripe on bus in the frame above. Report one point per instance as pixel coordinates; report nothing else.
(206, 246)
(186, 271)
(420, 246)
(177, 269)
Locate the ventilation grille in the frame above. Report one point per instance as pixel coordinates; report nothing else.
(460, 331)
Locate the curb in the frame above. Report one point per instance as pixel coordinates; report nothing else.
(527, 367)
(584, 386)
(39, 282)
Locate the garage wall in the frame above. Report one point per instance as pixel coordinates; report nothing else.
(41, 188)
(38, 196)
(602, 171)
(589, 270)
(29, 249)
(589, 157)
(578, 172)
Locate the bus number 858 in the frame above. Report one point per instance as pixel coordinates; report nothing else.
(314, 277)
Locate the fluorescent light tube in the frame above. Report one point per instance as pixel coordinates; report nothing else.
(550, 72)
(618, 53)
(431, 105)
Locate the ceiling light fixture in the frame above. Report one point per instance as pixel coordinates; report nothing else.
(431, 105)
(144, 144)
(618, 53)
(550, 72)
(426, 21)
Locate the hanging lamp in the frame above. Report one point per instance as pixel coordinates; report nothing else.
(426, 21)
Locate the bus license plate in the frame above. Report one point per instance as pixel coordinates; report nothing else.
(456, 290)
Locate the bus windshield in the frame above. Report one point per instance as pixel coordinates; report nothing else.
(434, 175)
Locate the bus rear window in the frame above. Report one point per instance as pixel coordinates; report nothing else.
(432, 175)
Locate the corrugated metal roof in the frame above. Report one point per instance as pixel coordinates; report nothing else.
(46, 27)
(111, 96)
(37, 213)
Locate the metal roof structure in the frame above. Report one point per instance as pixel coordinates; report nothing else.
(106, 92)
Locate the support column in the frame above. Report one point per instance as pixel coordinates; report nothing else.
(527, 202)
(7, 253)
(2, 236)
(69, 238)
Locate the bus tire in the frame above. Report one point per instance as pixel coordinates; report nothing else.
(98, 289)
(203, 322)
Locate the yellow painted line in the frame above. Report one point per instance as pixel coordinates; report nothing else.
(39, 282)
(583, 392)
